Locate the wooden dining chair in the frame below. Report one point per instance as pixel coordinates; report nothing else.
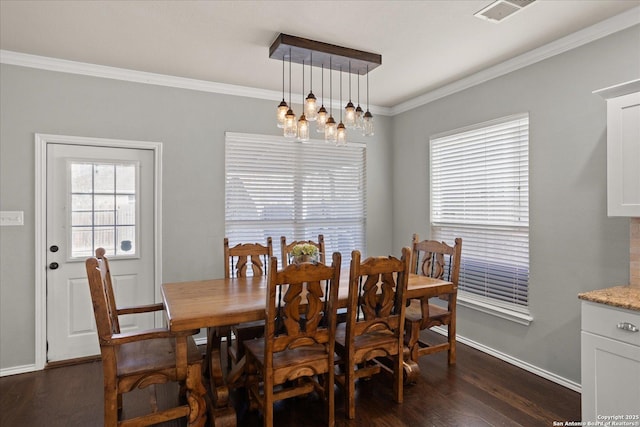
(375, 325)
(296, 355)
(132, 360)
(440, 261)
(241, 260)
(285, 249)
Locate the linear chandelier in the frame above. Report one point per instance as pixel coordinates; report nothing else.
(332, 58)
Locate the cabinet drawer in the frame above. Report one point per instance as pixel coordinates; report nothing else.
(604, 320)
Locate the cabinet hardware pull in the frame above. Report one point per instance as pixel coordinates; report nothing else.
(626, 326)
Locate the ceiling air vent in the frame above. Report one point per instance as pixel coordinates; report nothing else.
(500, 9)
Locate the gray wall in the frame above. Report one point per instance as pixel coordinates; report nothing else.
(190, 125)
(574, 246)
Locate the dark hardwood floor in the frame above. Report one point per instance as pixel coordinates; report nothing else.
(479, 391)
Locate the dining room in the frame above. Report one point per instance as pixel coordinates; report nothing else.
(216, 157)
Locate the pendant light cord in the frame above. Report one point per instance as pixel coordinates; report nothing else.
(349, 81)
(330, 89)
(310, 74)
(290, 105)
(367, 87)
(341, 93)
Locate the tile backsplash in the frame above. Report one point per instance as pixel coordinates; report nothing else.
(634, 256)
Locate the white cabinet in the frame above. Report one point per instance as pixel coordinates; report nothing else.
(623, 148)
(610, 363)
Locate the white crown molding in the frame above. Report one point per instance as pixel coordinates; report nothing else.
(597, 31)
(103, 71)
(587, 35)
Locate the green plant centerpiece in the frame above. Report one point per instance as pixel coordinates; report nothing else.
(304, 252)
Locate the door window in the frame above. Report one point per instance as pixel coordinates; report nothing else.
(103, 208)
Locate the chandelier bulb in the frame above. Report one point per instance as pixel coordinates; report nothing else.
(331, 130)
(367, 124)
(321, 119)
(311, 107)
(350, 115)
(282, 112)
(359, 116)
(290, 125)
(303, 129)
(341, 135)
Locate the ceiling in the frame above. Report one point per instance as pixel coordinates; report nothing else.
(425, 45)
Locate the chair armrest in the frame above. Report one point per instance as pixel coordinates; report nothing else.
(148, 334)
(141, 309)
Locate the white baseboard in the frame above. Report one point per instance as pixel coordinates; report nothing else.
(572, 385)
(17, 370)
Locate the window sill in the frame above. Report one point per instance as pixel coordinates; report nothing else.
(507, 311)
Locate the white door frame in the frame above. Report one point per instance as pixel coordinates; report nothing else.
(41, 142)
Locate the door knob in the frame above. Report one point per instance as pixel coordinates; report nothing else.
(54, 266)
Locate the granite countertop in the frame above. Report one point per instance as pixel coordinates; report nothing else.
(618, 296)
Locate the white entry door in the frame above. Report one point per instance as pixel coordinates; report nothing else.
(97, 197)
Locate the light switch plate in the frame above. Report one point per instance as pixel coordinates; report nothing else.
(11, 218)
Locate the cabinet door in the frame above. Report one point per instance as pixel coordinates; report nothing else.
(623, 155)
(610, 378)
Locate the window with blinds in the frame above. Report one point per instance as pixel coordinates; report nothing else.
(480, 192)
(279, 188)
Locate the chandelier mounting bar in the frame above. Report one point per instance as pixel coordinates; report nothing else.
(301, 51)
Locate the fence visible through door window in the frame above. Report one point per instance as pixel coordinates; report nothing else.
(103, 208)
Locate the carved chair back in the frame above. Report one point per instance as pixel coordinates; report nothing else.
(245, 257)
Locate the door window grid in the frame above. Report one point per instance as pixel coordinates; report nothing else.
(103, 208)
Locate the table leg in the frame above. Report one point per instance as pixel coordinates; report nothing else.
(196, 396)
(234, 376)
(222, 412)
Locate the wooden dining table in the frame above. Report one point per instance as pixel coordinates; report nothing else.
(230, 301)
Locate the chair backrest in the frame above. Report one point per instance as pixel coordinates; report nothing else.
(239, 258)
(436, 259)
(285, 249)
(301, 306)
(102, 296)
(377, 289)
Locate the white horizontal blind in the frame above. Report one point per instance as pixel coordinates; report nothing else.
(480, 192)
(276, 187)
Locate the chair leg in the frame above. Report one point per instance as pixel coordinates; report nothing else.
(398, 382)
(329, 394)
(111, 408)
(451, 332)
(267, 408)
(350, 391)
(451, 336)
